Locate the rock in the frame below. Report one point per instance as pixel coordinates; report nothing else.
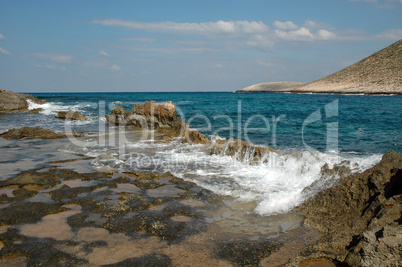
(13, 102)
(70, 115)
(354, 214)
(148, 115)
(2, 90)
(161, 117)
(240, 149)
(35, 110)
(31, 132)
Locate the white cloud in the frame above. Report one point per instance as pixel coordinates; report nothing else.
(206, 28)
(3, 51)
(297, 35)
(138, 39)
(358, 35)
(263, 63)
(393, 34)
(47, 66)
(326, 35)
(287, 25)
(312, 24)
(219, 66)
(115, 67)
(2, 37)
(103, 53)
(59, 58)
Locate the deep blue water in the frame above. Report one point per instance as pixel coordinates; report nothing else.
(363, 124)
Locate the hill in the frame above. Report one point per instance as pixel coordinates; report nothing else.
(379, 73)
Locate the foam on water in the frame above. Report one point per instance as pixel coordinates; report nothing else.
(278, 184)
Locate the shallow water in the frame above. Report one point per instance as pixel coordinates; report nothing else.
(245, 202)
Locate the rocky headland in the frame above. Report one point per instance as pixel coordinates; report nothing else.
(379, 73)
(14, 102)
(270, 87)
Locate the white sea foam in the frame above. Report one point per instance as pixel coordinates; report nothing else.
(277, 185)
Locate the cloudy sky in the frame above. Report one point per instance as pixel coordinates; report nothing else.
(162, 45)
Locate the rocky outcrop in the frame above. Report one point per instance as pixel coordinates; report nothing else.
(31, 132)
(360, 217)
(240, 150)
(148, 115)
(13, 102)
(161, 117)
(70, 115)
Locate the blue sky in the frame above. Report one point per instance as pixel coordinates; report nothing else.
(137, 46)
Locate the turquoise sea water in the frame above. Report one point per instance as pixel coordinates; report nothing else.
(312, 133)
(366, 124)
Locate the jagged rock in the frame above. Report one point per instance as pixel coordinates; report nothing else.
(31, 132)
(150, 114)
(70, 115)
(354, 214)
(240, 149)
(162, 117)
(13, 102)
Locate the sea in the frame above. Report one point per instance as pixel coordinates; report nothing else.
(309, 133)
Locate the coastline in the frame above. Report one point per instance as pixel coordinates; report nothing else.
(164, 213)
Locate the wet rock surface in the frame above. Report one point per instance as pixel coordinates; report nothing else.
(31, 132)
(70, 115)
(13, 102)
(358, 215)
(241, 150)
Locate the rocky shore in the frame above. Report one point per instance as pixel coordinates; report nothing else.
(55, 215)
(13, 102)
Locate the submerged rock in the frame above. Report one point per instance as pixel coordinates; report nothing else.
(13, 102)
(70, 115)
(360, 217)
(31, 132)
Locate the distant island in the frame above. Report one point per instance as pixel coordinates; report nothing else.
(379, 73)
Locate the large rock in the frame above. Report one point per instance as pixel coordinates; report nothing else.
(70, 115)
(31, 132)
(161, 117)
(13, 102)
(241, 150)
(360, 217)
(148, 115)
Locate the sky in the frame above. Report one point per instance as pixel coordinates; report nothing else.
(209, 45)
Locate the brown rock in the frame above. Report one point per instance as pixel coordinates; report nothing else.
(355, 210)
(240, 149)
(162, 117)
(35, 110)
(70, 115)
(31, 132)
(13, 102)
